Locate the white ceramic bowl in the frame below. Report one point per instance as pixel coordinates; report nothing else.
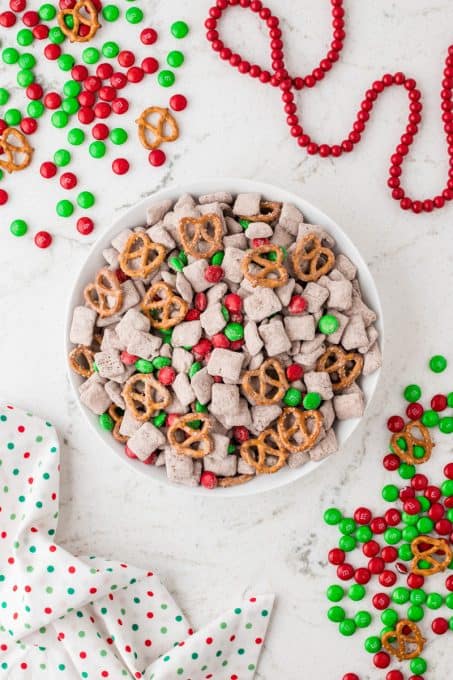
(135, 217)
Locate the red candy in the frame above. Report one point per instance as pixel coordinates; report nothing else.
(52, 51)
(34, 91)
(52, 100)
(102, 110)
(381, 601)
(394, 675)
(104, 71)
(213, 273)
(201, 301)
(449, 583)
(107, 93)
(68, 180)
(192, 315)
(30, 18)
(92, 83)
(406, 493)
(336, 556)
(376, 565)
(79, 72)
(241, 433)
(294, 372)
(120, 166)
(237, 344)
(157, 157)
(443, 527)
(166, 375)
(419, 482)
(100, 131)
(3, 197)
(362, 575)
(126, 58)
(395, 424)
(448, 471)
(414, 411)
(17, 5)
(389, 553)
(393, 517)
(178, 102)
(220, 340)
(436, 512)
(28, 125)
(203, 347)
(370, 548)
(43, 239)
(297, 304)
(350, 676)
(233, 302)
(149, 65)
(120, 106)
(127, 358)
(391, 462)
(40, 32)
(381, 660)
(85, 115)
(86, 98)
(415, 581)
(148, 36)
(135, 74)
(345, 572)
(439, 626)
(129, 453)
(387, 578)
(85, 225)
(121, 276)
(118, 80)
(151, 459)
(378, 525)
(362, 515)
(7, 19)
(439, 402)
(433, 493)
(208, 480)
(48, 170)
(412, 506)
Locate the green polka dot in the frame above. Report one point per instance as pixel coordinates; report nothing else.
(70, 591)
(178, 618)
(61, 667)
(251, 667)
(49, 589)
(248, 626)
(238, 610)
(3, 419)
(223, 625)
(180, 671)
(163, 630)
(264, 612)
(39, 439)
(194, 655)
(50, 568)
(241, 651)
(135, 626)
(10, 446)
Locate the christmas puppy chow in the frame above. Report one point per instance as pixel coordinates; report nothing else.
(224, 339)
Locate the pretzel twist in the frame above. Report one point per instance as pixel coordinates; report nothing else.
(426, 548)
(269, 211)
(163, 308)
(408, 638)
(272, 273)
(79, 18)
(271, 383)
(13, 151)
(255, 452)
(343, 367)
(81, 361)
(411, 440)
(196, 443)
(196, 238)
(311, 259)
(105, 295)
(147, 256)
(144, 395)
(298, 430)
(157, 129)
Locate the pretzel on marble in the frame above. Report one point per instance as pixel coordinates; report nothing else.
(311, 259)
(227, 482)
(343, 367)
(426, 548)
(163, 308)
(201, 236)
(116, 414)
(17, 155)
(255, 452)
(408, 638)
(267, 384)
(269, 211)
(189, 441)
(157, 129)
(144, 395)
(84, 13)
(81, 361)
(406, 451)
(298, 430)
(265, 272)
(105, 295)
(145, 253)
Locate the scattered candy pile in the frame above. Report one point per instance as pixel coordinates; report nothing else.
(417, 534)
(289, 85)
(91, 95)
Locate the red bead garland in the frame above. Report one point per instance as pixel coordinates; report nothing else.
(289, 85)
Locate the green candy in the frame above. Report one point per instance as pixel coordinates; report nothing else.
(183, 258)
(336, 614)
(231, 449)
(64, 208)
(76, 136)
(106, 422)
(217, 258)
(175, 59)
(18, 227)
(12, 117)
(10, 55)
(392, 536)
(335, 593)
(110, 49)
(446, 425)
(332, 516)
(62, 157)
(389, 617)
(411, 520)
(424, 502)
(179, 29)
(328, 324)
(449, 601)
(70, 105)
(292, 397)
(412, 393)
(118, 136)
(110, 12)
(347, 627)
(176, 264)
(97, 149)
(244, 224)
(447, 487)
(409, 533)
(373, 644)
(91, 55)
(430, 418)
(356, 592)
(406, 471)
(347, 543)
(390, 493)
(311, 401)
(347, 526)
(27, 60)
(85, 199)
(159, 419)
(25, 78)
(161, 362)
(415, 613)
(438, 363)
(59, 119)
(47, 12)
(71, 88)
(134, 15)
(362, 619)
(56, 35)
(25, 37)
(4, 96)
(65, 62)
(418, 665)
(401, 595)
(417, 596)
(200, 408)
(425, 525)
(405, 552)
(35, 109)
(144, 366)
(235, 331)
(196, 366)
(450, 514)
(364, 534)
(166, 78)
(450, 399)
(434, 601)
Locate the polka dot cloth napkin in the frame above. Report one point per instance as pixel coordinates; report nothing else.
(82, 617)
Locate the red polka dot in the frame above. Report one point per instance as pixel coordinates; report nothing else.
(27, 454)
(148, 643)
(10, 560)
(258, 641)
(52, 548)
(21, 428)
(71, 570)
(109, 641)
(209, 640)
(23, 665)
(27, 589)
(3, 648)
(60, 636)
(128, 649)
(105, 674)
(47, 610)
(149, 615)
(190, 631)
(150, 593)
(253, 599)
(3, 534)
(83, 655)
(30, 480)
(93, 590)
(232, 638)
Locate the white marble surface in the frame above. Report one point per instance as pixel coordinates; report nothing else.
(209, 550)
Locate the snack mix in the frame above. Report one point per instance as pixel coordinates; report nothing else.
(224, 339)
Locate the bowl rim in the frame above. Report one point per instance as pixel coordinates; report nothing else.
(197, 187)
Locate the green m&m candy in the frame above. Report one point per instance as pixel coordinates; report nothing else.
(412, 393)
(347, 526)
(364, 534)
(62, 157)
(18, 227)
(59, 119)
(85, 199)
(434, 601)
(12, 117)
(91, 55)
(347, 627)
(110, 12)
(76, 136)
(175, 59)
(10, 55)
(328, 324)
(179, 29)
(47, 12)
(415, 613)
(118, 136)
(389, 617)
(35, 109)
(356, 592)
(25, 37)
(56, 35)
(438, 363)
(25, 77)
(106, 422)
(390, 493)
(336, 614)
(235, 331)
(160, 362)
(332, 516)
(292, 397)
(110, 49)
(64, 208)
(97, 149)
(446, 425)
(401, 595)
(159, 419)
(134, 15)
(417, 596)
(312, 400)
(418, 665)
(4, 96)
(347, 543)
(65, 62)
(373, 644)
(335, 593)
(144, 366)
(166, 78)
(362, 619)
